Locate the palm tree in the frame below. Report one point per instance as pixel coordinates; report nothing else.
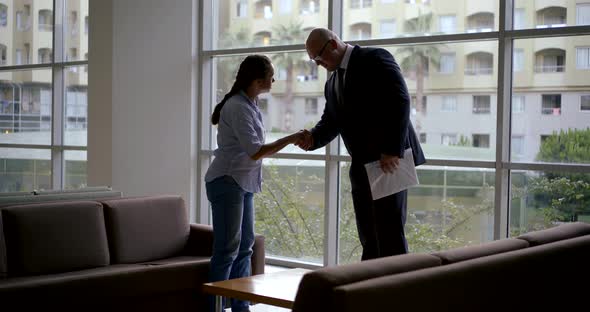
(416, 58)
(292, 33)
(227, 67)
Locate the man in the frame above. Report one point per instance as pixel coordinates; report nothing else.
(368, 104)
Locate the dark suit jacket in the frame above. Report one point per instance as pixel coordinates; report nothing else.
(374, 117)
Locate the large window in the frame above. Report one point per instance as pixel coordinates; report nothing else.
(43, 107)
(503, 107)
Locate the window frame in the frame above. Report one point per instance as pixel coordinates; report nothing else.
(502, 164)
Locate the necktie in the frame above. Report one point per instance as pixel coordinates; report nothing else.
(340, 87)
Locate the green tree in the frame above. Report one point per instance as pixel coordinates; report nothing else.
(227, 66)
(416, 58)
(557, 197)
(291, 33)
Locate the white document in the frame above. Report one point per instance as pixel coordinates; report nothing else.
(384, 184)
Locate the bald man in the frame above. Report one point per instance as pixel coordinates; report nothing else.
(368, 104)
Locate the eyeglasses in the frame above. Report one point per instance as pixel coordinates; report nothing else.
(319, 56)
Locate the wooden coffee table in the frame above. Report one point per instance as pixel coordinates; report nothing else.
(277, 288)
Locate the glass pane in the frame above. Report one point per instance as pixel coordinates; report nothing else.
(296, 100)
(290, 209)
(549, 13)
(453, 89)
(24, 169)
(541, 200)
(26, 32)
(75, 169)
(368, 19)
(76, 109)
(451, 207)
(25, 107)
(76, 27)
(549, 112)
(244, 23)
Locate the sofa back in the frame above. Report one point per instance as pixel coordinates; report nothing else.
(522, 280)
(316, 288)
(146, 228)
(48, 238)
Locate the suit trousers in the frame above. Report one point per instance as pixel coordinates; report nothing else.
(380, 223)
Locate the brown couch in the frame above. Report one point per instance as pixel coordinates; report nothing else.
(127, 254)
(538, 271)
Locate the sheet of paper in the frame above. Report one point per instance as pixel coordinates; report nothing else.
(384, 184)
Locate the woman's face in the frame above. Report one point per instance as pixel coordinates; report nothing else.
(266, 84)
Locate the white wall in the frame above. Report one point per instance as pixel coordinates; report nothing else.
(149, 98)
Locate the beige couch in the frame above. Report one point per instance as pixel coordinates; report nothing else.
(127, 254)
(539, 271)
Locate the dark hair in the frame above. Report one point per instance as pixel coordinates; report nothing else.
(252, 67)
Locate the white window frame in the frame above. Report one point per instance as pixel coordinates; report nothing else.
(582, 102)
(583, 58)
(502, 164)
(580, 18)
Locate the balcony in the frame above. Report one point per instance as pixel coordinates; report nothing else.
(549, 68)
(474, 71)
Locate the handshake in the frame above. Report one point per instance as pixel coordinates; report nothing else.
(301, 138)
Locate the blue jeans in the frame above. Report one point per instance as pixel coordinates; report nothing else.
(233, 231)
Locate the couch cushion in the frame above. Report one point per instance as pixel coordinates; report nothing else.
(561, 232)
(476, 251)
(146, 228)
(113, 281)
(57, 237)
(316, 288)
(520, 280)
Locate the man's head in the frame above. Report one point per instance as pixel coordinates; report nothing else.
(325, 48)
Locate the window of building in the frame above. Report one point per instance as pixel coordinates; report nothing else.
(29, 96)
(309, 7)
(414, 103)
(262, 38)
(479, 63)
(86, 25)
(447, 63)
(585, 103)
(311, 106)
(518, 60)
(44, 55)
(480, 22)
(583, 14)
(519, 19)
(447, 23)
(583, 57)
(45, 20)
(448, 139)
(449, 103)
(3, 15)
(388, 28)
(423, 138)
(3, 54)
(518, 104)
(551, 17)
(360, 31)
(551, 104)
(481, 104)
(242, 8)
(481, 140)
(360, 4)
(550, 61)
(263, 9)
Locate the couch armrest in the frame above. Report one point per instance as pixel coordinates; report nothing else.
(200, 243)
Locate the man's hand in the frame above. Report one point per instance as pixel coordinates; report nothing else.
(306, 141)
(389, 163)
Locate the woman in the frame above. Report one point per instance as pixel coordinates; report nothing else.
(236, 172)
